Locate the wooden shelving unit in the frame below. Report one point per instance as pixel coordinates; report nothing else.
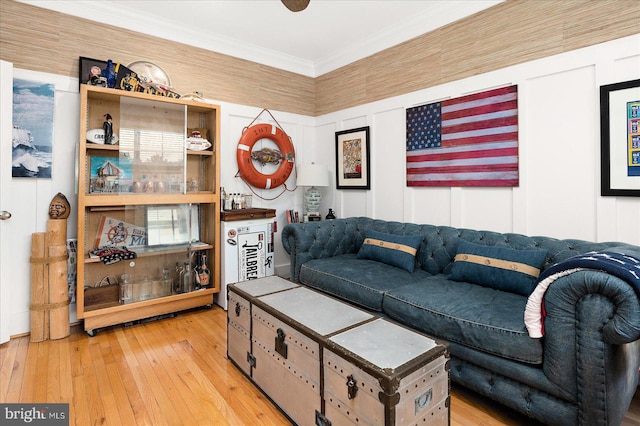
(149, 194)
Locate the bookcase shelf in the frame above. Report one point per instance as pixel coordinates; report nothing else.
(150, 195)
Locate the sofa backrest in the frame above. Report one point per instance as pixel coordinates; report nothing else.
(440, 243)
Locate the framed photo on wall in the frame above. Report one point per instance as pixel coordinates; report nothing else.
(620, 139)
(352, 159)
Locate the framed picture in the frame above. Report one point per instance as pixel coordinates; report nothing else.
(620, 139)
(352, 159)
(91, 72)
(32, 137)
(91, 67)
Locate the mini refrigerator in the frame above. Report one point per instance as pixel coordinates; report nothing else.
(247, 253)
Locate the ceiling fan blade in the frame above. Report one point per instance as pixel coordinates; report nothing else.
(296, 5)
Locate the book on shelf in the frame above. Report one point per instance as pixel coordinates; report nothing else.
(292, 216)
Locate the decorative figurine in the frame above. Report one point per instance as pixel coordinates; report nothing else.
(59, 208)
(110, 74)
(107, 126)
(130, 83)
(96, 78)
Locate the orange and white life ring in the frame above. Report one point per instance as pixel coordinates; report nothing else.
(285, 157)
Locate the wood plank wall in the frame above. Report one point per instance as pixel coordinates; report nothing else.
(41, 40)
(512, 32)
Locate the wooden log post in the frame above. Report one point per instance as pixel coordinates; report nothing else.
(58, 283)
(39, 288)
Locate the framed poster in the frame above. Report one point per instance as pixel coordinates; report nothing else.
(620, 139)
(352, 159)
(32, 138)
(468, 141)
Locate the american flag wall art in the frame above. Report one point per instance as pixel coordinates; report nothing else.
(467, 141)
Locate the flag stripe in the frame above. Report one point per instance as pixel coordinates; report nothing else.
(496, 125)
(464, 117)
(482, 155)
(485, 146)
(467, 141)
(498, 167)
(503, 91)
(469, 182)
(477, 140)
(463, 176)
(452, 164)
(479, 108)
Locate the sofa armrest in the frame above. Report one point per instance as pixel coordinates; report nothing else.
(591, 346)
(317, 240)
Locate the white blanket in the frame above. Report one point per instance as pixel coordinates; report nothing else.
(533, 318)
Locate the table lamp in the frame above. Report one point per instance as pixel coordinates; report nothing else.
(312, 175)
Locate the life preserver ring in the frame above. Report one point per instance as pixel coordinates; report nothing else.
(286, 156)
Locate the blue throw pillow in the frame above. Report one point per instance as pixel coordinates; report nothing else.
(395, 250)
(502, 268)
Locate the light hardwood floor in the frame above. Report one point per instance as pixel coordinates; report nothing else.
(171, 372)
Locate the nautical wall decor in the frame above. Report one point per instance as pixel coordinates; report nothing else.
(32, 139)
(255, 166)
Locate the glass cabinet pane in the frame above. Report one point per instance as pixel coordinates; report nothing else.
(147, 251)
(147, 206)
(152, 136)
(149, 157)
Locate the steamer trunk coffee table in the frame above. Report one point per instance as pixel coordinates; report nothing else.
(324, 362)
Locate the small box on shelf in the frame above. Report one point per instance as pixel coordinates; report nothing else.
(313, 217)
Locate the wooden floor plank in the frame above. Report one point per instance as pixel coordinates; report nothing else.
(27, 391)
(65, 369)
(168, 377)
(53, 373)
(127, 383)
(9, 356)
(173, 372)
(110, 407)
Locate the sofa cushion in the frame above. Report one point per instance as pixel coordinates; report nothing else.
(359, 281)
(478, 317)
(395, 250)
(501, 268)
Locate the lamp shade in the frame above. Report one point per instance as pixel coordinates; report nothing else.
(313, 175)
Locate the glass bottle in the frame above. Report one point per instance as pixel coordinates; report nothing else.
(203, 272)
(126, 289)
(330, 215)
(110, 74)
(196, 270)
(186, 278)
(145, 288)
(223, 198)
(178, 280)
(167, 283)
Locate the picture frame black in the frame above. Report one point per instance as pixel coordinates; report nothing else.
(84, 73)
(353, 167)
(85, 65)
(620, 139)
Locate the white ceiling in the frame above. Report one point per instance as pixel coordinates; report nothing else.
(325, 36)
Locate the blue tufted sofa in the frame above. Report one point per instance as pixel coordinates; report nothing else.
(583, 371)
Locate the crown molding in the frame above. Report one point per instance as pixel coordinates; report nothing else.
(443, 13)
